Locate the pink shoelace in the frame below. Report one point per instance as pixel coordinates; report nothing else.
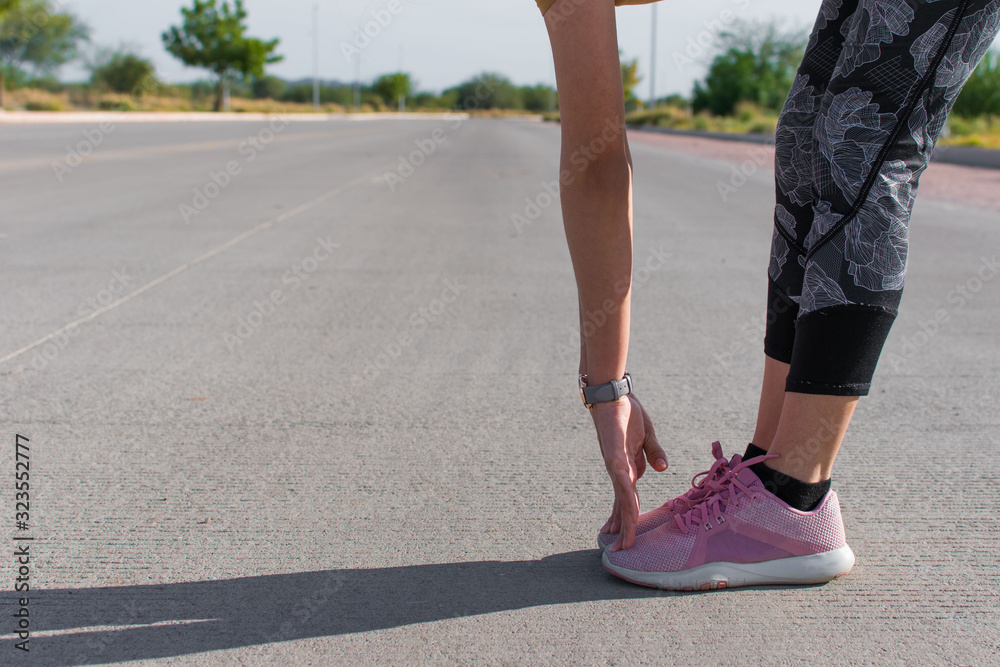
(699, 488)
(719, 495)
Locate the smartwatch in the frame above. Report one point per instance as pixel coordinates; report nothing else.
(603, 393)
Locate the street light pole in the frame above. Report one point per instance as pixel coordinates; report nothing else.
(402, 98)
(652, 63)
(316, 57)
(357, 83)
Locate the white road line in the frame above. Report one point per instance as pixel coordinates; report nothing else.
(35, 634)
(365, 178)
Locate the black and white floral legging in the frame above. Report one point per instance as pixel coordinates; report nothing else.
(870, 98)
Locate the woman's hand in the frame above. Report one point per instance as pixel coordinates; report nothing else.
(625, 433)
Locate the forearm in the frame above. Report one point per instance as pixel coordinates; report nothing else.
(598, 221)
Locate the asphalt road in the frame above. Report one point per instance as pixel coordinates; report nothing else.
(330, 417)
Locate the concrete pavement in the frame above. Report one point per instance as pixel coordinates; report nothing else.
(330, 416)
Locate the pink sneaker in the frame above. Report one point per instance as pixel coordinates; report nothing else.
(698, 491)
(739, 535)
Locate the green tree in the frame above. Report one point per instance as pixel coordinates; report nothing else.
(981, 94)
(393, 88)
(425, 100)
(123, 71)
(212, 36)
(33, 33)
(539, 98)
(269, 88)
(485, 91)
(757, 64)
(630, 79)
(303, 93)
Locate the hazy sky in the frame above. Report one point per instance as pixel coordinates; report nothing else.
(440, 42)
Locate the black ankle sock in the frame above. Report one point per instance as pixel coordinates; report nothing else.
(753, 451)
(800, 495)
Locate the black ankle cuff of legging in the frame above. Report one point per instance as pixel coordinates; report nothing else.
(779, 335)
(836, 350)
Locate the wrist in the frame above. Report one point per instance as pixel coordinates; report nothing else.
(592, 393)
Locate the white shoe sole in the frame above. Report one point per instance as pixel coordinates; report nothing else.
(813, 569)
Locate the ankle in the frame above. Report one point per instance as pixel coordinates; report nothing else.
(809, 472)
(800, 494)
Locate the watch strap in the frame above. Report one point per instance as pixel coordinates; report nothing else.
(610, 391)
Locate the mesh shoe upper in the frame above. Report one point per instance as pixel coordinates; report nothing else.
(682, 503)
(739, 522)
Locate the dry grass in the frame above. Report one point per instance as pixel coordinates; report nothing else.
(36, 100)
(89, 100)
(983, 132)
(748, 119)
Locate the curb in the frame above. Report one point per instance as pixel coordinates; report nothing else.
(965, 156)
(97, 117)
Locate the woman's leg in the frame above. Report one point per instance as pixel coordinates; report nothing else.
(772, 400)
(838, 262)
(795, 194)
(897, 76)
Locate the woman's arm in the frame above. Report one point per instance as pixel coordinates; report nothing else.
(596, 196)
(595, 177)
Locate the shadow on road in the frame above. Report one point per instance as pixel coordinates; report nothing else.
(178, 619)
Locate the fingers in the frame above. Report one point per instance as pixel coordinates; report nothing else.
(654, 453)
(627, 500)
(650, 444)
(629, 520)
(611, 525)
(627, 440)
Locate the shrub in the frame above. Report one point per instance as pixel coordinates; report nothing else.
(123, 72)
(44, 105)
(116, 105)
(981, 94)
(757, 64)
(269, 87)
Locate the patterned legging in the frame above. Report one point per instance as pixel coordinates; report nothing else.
(874, 89)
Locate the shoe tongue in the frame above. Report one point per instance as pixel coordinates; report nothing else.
(736, 460)
(749, 478)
